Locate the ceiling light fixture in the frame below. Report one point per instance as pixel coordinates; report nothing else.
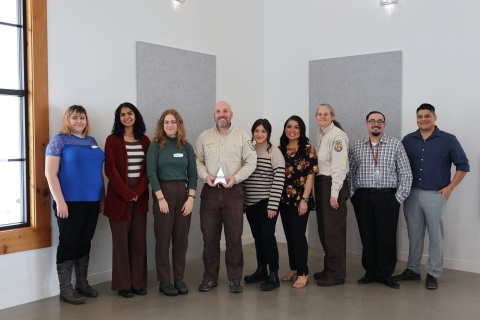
(385, 2)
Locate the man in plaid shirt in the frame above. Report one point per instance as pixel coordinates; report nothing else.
(380, 179)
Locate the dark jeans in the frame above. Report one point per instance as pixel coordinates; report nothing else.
(332, 226)
(263, 231)
(76, 232)
(173, 227)
(129, 248)
(377, 218)
(222, 206)
(295, 227)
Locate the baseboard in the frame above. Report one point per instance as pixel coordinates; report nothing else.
(447, 263)
(47, 291)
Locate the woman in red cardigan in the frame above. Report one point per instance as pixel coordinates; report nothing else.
(126, 203)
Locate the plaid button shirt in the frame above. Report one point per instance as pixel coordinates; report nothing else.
(392, 163)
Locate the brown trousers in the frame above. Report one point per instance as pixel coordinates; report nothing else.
(220, 205)
(332, 226)
(129, 241)
(174, 226)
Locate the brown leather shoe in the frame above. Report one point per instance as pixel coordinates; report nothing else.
(328, 281)
(319, 275)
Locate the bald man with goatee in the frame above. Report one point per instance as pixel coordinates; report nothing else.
(223, 152)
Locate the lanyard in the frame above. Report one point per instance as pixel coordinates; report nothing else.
(375, 156)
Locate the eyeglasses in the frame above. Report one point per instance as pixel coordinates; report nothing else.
(380, 122)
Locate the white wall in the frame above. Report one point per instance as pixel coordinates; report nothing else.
(441, 51)
(92, 62)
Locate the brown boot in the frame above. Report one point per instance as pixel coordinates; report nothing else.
(67, 293)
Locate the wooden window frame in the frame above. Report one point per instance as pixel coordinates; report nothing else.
(38, 234)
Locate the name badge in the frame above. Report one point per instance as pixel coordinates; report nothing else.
(178, 155)
(94, 147)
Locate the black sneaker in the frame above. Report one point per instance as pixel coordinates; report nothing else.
(407, 275)
(431, 282)
(207, 285)
(235, 286)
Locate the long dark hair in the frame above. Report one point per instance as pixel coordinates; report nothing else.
(138, 127)
(268, 127)
(302, 141)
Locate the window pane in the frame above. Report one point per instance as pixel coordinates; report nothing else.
(11, 194)
(11, 129)
(9, 11)
(9, 57)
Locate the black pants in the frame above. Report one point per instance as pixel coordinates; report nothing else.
(76, 232)
(295, 227)
(263, 231)
(377, 218)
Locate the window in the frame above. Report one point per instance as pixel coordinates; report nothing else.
(13, 104)
(24, 194)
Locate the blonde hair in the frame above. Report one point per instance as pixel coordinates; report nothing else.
(161, 137)
(74, 110)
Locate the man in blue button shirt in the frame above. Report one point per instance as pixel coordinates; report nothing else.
(431, 153)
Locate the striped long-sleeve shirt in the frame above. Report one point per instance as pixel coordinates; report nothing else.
(266, 182)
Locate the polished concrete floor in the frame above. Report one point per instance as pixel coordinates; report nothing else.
(458, 297)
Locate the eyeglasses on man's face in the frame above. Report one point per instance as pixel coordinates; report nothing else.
(379, 122)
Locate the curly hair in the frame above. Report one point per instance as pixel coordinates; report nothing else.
(161, 137)
(75, 110)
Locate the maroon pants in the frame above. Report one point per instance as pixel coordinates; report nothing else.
(332, 226)
(129, 241)
(171, 226)
(222, 206)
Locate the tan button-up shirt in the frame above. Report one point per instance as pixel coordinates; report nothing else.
(332, 153)
(232, 150)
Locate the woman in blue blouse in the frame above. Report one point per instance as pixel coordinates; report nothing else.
(73, 167)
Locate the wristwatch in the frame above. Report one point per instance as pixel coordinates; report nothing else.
(192, 196)
(306, 199)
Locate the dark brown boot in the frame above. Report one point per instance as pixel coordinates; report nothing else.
(67, 294)
(81, 284)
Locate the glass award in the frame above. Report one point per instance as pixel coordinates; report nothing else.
(220, 177)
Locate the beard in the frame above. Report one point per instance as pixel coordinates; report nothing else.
(227, 123)
(375, 134)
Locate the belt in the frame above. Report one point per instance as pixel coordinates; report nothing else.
(220, 186)
(377, 190)
(322, 177)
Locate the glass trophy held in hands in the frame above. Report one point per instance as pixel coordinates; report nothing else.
(220, 177)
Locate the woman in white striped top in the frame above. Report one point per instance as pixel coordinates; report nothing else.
(126, 204)
(263, 190)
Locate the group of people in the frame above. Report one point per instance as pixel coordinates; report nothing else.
(246, 174)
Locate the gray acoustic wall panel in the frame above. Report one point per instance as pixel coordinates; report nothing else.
(170, 78)
(354, 86)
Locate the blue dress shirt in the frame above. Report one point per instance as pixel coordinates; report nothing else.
(431, 159)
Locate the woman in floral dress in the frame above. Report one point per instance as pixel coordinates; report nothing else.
(297, 200)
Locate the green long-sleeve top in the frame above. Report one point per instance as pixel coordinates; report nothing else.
(171, 163)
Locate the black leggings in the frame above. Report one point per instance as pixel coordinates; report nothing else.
(76, 232)
(263, 231)
(295, 227)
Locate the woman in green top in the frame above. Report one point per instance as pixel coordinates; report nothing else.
(172, 173)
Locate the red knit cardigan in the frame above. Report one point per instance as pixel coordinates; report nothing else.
(116, 170)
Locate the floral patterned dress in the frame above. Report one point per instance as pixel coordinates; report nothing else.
(298, 165)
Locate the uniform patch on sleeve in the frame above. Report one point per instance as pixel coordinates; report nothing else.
(250, 144)
(337, 145)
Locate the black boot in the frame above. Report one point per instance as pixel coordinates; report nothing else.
(81, 284)
(272, 282)
(67, 293)
(260, 274)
